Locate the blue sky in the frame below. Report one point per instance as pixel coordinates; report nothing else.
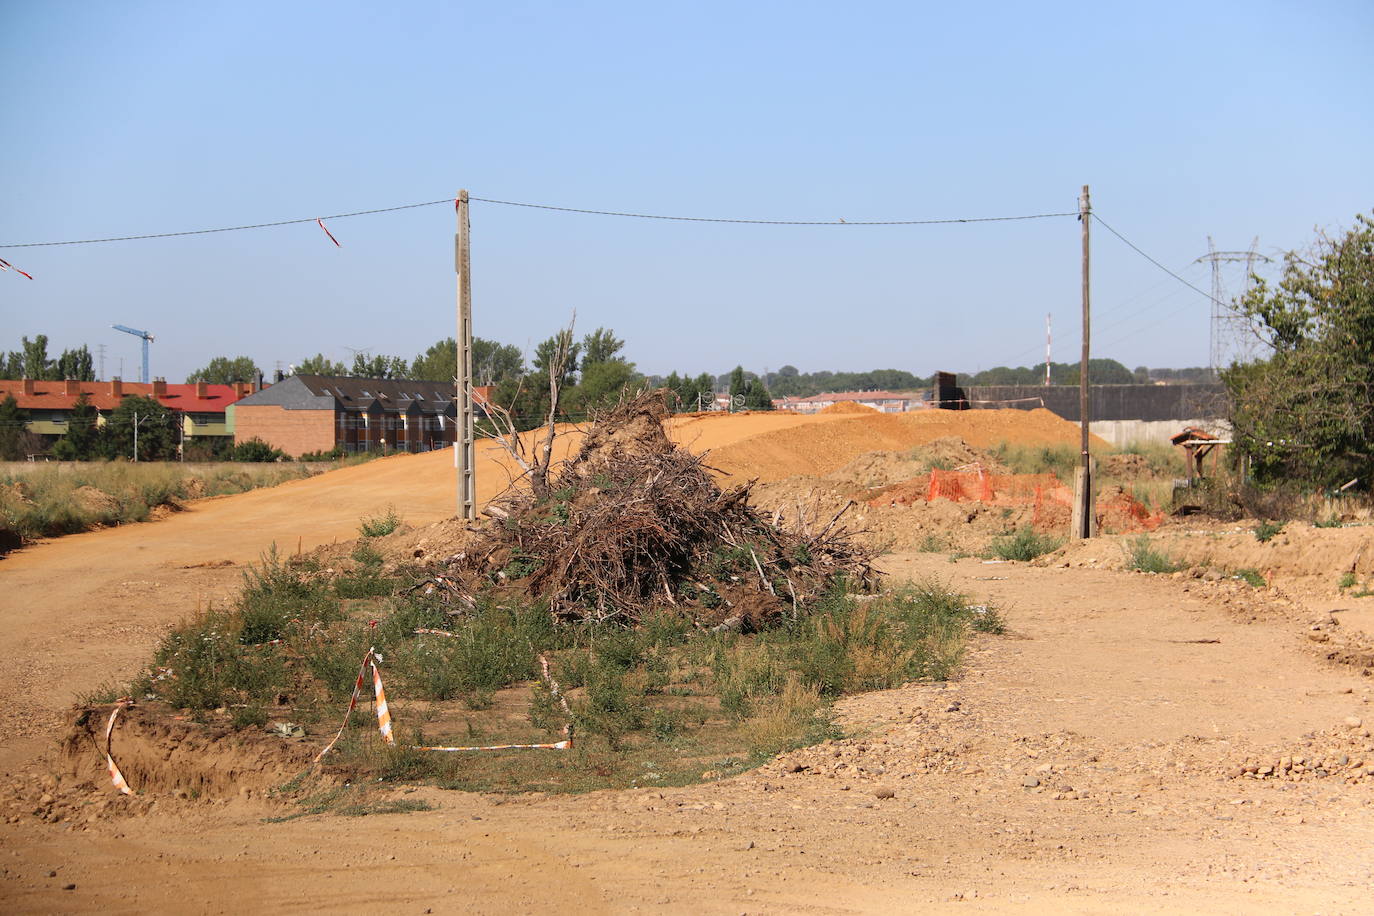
(1233, 120)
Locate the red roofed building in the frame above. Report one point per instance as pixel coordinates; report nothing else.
(199, 407)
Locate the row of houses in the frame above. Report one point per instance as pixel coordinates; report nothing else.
(315, 413)
(298, 414)
(881, 401)
(200, 409)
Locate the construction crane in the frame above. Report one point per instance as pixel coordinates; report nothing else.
(147, 339)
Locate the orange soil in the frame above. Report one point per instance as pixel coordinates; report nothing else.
(837, 439)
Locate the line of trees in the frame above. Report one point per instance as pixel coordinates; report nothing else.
(31, 361)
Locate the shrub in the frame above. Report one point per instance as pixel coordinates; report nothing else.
(1024, 544)
(1251, 577)
(380, 525)
(1265, 531)
(1059, 460)
(1141, 557)
(255, 449)
(334, 454)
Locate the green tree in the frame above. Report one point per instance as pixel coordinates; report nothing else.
(1307, 412)
(544, 353)
(600, 346)
(378, 366)
(36, 362)
(76, 364)
(157, 433)
(604, 373)
(492, 362)
(603, 382)
(739, 385)
(757, 397)
(223, 371)
(12, 429)
(319, 364)
(81, 442)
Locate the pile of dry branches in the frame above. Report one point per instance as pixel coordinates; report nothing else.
(633, 522)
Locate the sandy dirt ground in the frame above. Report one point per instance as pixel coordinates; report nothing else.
(1093, 759)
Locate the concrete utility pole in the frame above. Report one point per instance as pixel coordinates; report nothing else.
(1083, 520)
(462, 444)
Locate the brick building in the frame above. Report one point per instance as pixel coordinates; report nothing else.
(199, 408)
(318, 413)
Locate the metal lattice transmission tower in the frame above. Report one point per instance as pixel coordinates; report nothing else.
(1230, 336)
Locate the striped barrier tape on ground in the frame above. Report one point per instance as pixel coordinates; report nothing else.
(116, 777)
(563, 745)
(384, 711)
(557, 694)
(352, 704)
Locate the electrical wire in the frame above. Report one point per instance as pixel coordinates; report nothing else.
(511, 203)
(776, 222)
(1136, 248)
(168, 235)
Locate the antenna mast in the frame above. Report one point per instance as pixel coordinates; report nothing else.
(1048, 339)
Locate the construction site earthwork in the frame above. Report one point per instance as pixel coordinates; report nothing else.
(698, 663)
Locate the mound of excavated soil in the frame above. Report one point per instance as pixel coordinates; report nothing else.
(157, 753)
(816, 449)
(94, 501)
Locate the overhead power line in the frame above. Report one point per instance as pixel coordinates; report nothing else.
(1136, 248)
(511, 203)
(778, 222)
(168, 235)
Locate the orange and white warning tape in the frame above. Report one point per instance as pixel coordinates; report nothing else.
(116, 777)
(352, 704)
(564, 745)
(384, 711)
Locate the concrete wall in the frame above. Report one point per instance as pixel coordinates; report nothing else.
(1121, 433)
(293, 431)
(1176, 403)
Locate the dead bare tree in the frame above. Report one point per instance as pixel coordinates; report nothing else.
(535, 463)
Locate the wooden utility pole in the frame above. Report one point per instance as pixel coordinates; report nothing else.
(1083, 521)
(462, 444)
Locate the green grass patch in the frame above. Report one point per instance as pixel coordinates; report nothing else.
(380, 525)
(1142, 556)
(1059, 460)
(1250, 577)
(660, 704)
(68, 499)
(1265, 531)
(1023, 544)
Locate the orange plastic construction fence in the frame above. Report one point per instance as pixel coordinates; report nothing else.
(1051, 499)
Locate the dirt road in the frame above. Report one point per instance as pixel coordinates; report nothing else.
(1084, 762)
(1101, 695)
